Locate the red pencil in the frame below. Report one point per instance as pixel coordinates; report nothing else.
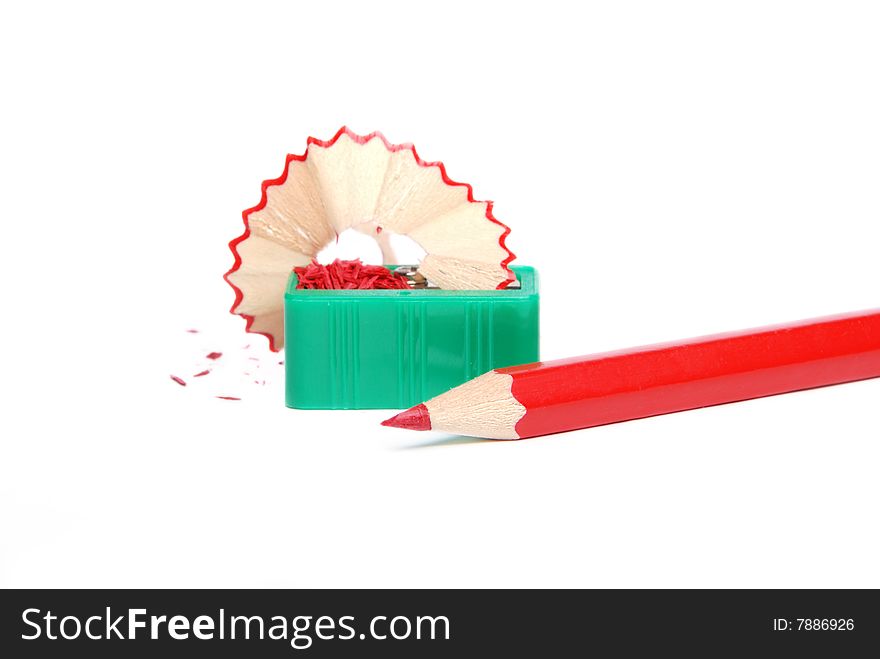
(557, 396)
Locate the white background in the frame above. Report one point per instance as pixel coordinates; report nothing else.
(672, 169)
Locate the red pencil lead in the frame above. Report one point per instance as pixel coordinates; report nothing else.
(415, 418)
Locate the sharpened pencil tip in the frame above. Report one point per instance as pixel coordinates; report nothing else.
(415, 418)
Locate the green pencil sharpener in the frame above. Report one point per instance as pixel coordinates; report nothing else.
(378, 349)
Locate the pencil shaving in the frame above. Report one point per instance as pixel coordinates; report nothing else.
(378, 188)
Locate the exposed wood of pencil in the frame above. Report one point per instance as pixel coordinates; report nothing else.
(557, 396)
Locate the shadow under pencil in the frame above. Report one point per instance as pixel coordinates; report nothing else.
(448, 440)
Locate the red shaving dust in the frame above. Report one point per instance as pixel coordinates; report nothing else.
(230, 365)
(348, 275)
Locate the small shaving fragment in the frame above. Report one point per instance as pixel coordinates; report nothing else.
(237, 373)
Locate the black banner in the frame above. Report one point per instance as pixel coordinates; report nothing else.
(429, 623)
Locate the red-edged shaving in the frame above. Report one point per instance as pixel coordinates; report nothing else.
(366, 183)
